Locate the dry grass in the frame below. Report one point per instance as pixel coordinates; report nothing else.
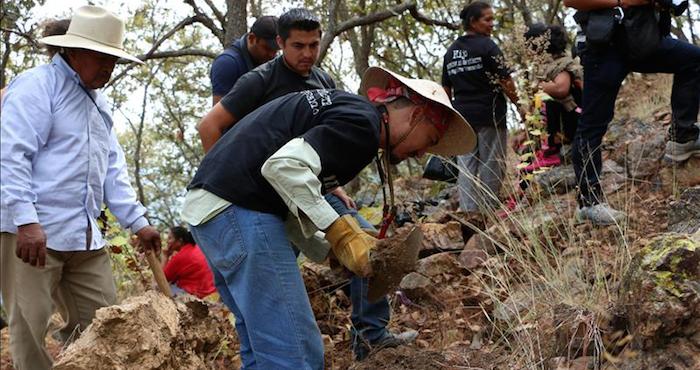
(642, 95)
(545, 262)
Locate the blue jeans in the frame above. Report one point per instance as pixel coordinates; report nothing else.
(256, 274)
(604, 71)
(369, 320)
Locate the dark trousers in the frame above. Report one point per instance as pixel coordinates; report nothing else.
(604, 71)
(560, 123)
(369, 320)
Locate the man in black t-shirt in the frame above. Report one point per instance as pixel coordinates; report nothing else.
(295, 70)
(299, 36)
(279, 160)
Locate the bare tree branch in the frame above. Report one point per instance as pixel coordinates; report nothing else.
(175, 54)
(522, 7)
(420, 17)
(29, 36)
(360, 21)
(360, 43)
(555, 6)
(207, 22)
(217, 13)
(678, 32)
(183, 23)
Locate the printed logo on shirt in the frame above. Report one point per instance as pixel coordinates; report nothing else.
(462, 63)
(459, 54)
(317, 98)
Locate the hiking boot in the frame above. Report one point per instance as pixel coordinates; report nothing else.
(389, 340)
(600, 214)
(680, 152)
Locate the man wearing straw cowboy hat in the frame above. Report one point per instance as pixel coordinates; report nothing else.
(313, 141)
(60, 162)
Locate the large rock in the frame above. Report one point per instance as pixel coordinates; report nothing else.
(558, 180)
(679, 354)
(660, 301)
(416, 286)
(623, 134)
(684, 214)
(613, 177)
(437, 265)
(150, 331)
(471, 258)
(644, 156)
(488, 242)
(681, 175)
(511, 310)
(444, 236)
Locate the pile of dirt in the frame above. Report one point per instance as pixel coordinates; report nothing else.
(150, 331)
(403, 358)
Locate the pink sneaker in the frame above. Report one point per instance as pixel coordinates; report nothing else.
(543, 160)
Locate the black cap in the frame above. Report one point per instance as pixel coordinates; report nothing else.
(265, 28)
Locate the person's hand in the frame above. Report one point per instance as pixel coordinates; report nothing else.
(149, 238)
(351, 245)
(344, 197)
(31, 245)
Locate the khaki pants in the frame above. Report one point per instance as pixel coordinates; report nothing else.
(75, 283)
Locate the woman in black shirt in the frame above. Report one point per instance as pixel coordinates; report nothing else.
(475, 76)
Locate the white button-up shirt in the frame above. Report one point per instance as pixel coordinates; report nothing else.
(60, 159)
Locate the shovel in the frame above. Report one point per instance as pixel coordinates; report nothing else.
(391, 260)
(158, 273)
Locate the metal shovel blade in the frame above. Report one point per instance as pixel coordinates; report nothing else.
(391, 260)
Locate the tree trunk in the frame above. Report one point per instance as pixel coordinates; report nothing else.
(236, 20)
(361, 42)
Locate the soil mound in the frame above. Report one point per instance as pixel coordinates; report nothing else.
(149, 331)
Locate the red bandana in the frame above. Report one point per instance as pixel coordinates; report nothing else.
(435, 112)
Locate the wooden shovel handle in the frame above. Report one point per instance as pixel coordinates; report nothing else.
(158, 273)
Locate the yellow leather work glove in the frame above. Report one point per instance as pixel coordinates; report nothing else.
(351, 245)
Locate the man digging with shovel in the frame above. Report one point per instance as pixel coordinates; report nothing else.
(295, 70)
(251, 179)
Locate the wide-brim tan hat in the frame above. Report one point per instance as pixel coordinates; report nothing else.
(459, 137)
(93, 28)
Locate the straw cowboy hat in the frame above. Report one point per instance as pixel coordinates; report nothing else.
(93, 28)
(459, 137)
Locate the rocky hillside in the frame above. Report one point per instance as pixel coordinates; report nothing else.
(533, 289)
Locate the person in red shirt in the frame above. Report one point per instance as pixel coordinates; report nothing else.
(187, 269)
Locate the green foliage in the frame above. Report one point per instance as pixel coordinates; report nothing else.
(130, 270)
(18, 49)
